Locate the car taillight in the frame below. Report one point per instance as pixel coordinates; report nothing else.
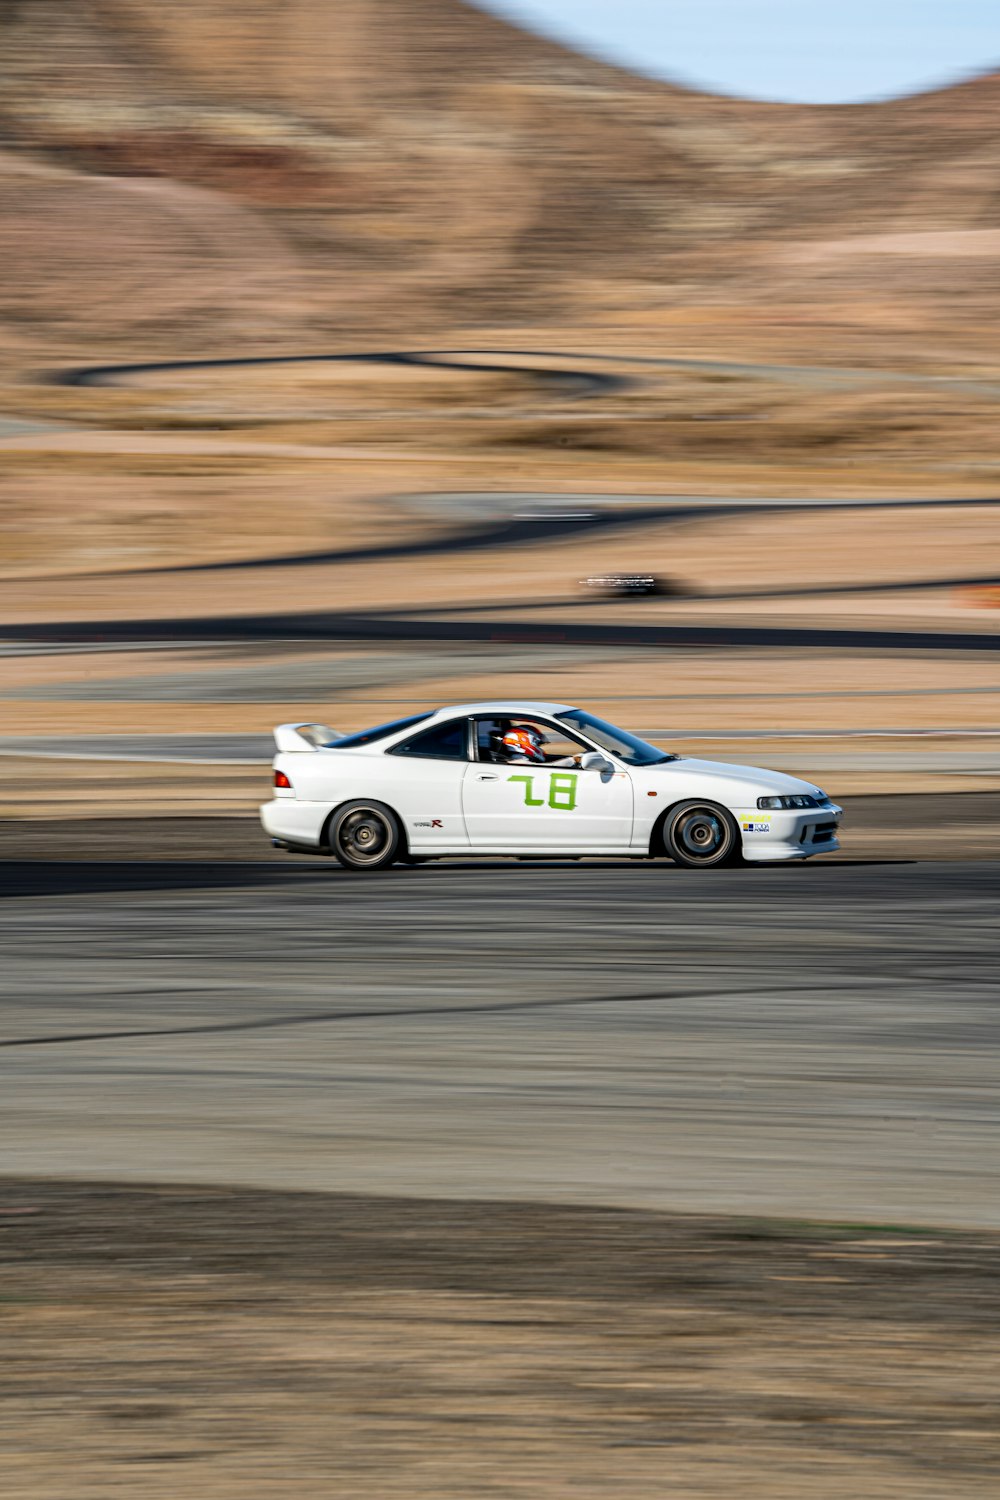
(280, 779)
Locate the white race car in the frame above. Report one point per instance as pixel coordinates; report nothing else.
(529, 779)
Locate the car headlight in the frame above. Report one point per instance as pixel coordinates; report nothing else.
(797, 799)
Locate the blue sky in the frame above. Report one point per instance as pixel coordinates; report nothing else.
(817, 50)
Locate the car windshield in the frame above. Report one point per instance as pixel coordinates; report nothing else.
(381, 732)
(627, 747)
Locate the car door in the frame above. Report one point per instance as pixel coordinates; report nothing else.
(528, 807)
(424, 778)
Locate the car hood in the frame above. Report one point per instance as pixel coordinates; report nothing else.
(756, 777)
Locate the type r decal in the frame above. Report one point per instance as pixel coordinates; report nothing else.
(562, 791)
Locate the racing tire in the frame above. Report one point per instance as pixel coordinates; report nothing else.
(365, 836)
(702, 835)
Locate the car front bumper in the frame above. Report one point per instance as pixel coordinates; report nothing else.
(788, 834)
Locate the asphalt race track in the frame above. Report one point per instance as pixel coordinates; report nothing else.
(335, 625)
(482, 532)
(515, 529)
(818, 1040)
(585, 382)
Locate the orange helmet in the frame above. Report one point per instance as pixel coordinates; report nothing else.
(522, 739)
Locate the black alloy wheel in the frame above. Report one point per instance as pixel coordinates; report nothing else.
(365, 836)
(702, 834)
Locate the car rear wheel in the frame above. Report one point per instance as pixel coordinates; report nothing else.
(365, 836)
(702, 834)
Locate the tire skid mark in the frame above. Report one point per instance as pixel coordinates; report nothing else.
(322, 1018)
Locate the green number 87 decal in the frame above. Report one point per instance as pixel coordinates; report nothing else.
(562, 791)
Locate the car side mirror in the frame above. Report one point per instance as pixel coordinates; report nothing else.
(595, 761)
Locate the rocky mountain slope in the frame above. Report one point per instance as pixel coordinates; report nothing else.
(213, 168)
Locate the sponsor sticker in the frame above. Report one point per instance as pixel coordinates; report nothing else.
(755, 825)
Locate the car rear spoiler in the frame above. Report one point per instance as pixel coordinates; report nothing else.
(296, 739)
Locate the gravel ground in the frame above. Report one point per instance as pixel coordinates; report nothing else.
(240, 1344)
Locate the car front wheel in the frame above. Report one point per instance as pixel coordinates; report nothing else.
(702, 834)
(365, 836)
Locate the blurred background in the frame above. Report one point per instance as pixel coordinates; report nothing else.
(395, 306)
(362, 356)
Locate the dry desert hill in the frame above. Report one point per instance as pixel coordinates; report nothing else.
(178, 175)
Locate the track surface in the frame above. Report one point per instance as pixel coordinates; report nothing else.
(569, 514)
(491, 361)
(819, 1040)
(517, 529)
(334, 625)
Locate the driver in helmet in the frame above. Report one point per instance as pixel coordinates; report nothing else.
(521, 745)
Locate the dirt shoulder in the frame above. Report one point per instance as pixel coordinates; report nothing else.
(222, 1342)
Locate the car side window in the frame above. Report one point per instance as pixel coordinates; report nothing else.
(557, 744)
(444, 742)
(488, 735)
